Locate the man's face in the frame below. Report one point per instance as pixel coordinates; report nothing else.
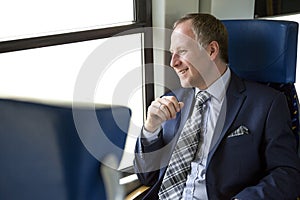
(190, 60)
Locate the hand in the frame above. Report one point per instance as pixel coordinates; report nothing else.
(160, 110)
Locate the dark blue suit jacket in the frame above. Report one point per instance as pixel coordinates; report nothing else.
(260, 165)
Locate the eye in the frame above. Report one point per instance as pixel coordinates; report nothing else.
(182, 52)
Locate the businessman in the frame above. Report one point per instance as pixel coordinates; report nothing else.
(218, 137)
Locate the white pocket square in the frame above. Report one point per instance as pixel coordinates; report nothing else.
(242, 130)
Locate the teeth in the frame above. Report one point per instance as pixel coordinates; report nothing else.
(183, 71)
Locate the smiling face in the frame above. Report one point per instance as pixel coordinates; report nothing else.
(192, 63)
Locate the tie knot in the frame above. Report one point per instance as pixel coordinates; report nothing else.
(202, 97)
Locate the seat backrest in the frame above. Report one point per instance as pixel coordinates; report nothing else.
(42, 154)
(266, 51)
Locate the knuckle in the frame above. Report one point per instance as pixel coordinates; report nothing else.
(173, 98)
(153, 103)
(169, 103)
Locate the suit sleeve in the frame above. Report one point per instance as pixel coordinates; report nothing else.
(151, 159)
(282, 178)
(147, 159)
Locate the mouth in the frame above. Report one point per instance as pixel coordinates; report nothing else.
(183, 71)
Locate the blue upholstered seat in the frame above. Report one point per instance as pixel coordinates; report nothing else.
(42, 156)
(266, 51)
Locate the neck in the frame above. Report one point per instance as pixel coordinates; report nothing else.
(213, 76)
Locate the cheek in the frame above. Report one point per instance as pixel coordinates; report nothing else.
(198, 59)
(195, 66)
(191, 60)
(195, 72)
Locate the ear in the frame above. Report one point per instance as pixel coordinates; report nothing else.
(213, 50)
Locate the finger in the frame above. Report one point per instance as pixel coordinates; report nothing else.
(156, 115)
(181, 104)
(163, 112)
(174, 101)
(157, 110)
(168, 108)
(153, 121)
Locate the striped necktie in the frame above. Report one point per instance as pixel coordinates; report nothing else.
(184, 151)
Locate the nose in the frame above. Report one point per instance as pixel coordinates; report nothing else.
(175, 60)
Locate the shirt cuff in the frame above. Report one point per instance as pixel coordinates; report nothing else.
(149, 137)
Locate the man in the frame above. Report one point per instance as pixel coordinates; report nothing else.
(240, 146)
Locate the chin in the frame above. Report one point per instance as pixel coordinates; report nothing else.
(185, 84)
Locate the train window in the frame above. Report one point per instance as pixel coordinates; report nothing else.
(50, 50)
(50, 73)
(35, 18)
(265, 8)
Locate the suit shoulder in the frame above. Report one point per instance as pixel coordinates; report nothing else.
(252, 87)
(261, 91)
(257, 87)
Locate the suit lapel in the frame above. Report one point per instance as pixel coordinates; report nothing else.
(230, 108)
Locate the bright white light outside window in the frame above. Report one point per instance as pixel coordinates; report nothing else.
(23, 19)
(49, 75)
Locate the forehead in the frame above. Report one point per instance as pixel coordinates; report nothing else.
(185, 28)
(182, 36)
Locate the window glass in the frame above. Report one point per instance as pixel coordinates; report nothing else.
(23, 19)
(276, 7)
(51, 74)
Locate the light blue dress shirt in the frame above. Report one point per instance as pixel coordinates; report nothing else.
(195, 185)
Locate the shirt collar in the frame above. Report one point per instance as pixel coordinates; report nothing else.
(219, 87)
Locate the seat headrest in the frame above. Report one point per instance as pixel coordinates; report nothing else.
(263, 50)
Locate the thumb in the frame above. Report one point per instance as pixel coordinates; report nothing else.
(181, 104)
